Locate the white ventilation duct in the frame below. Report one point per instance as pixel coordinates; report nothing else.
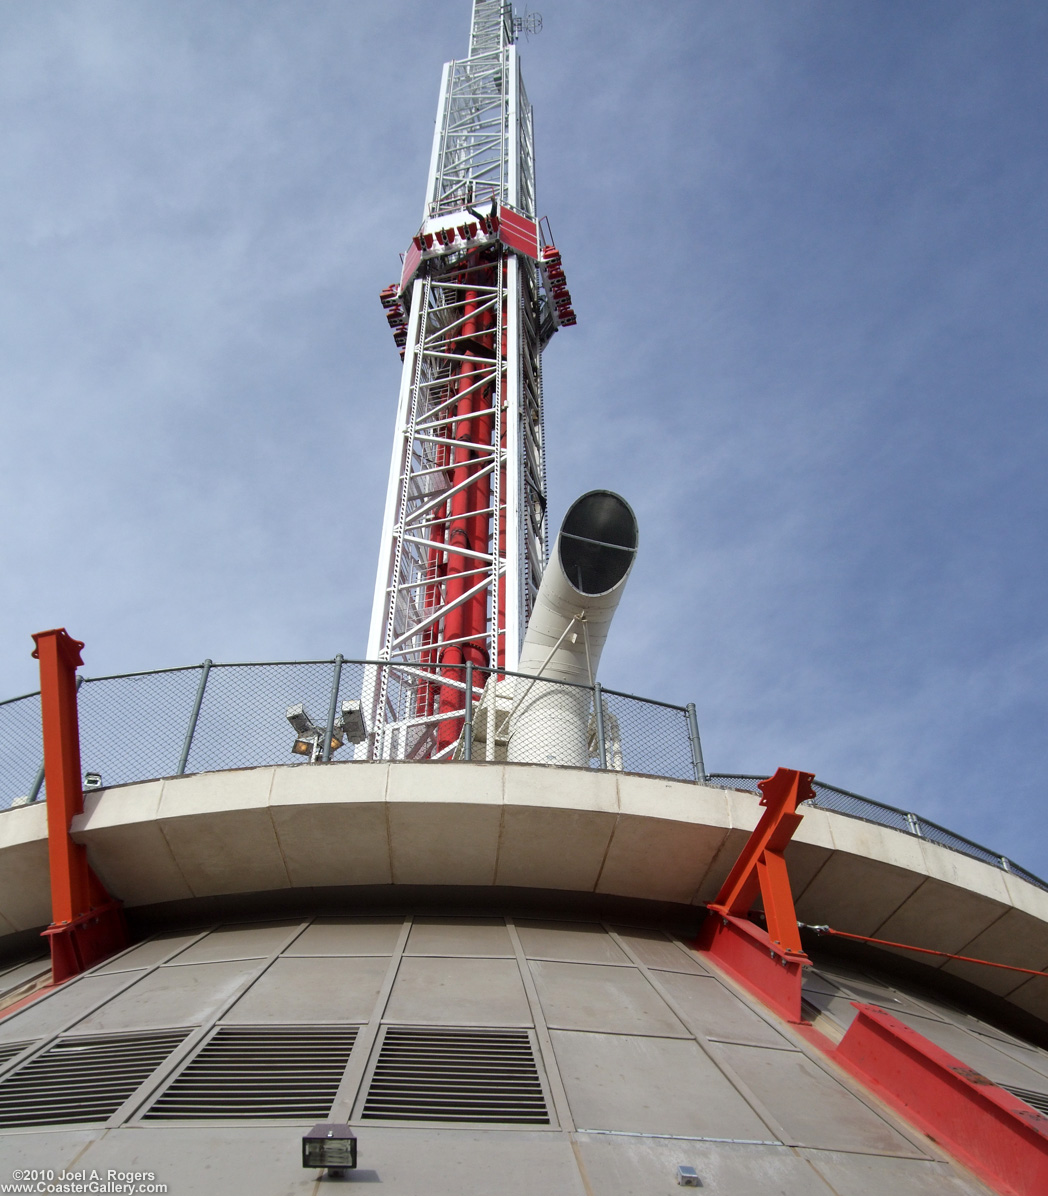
(577, 599)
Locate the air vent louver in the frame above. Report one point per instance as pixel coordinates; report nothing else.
(266, 1072)
(456, 1075)
(82, 1079)
(1036, 1100)
(8, 1050)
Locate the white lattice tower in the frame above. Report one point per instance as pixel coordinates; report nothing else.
(464, 537)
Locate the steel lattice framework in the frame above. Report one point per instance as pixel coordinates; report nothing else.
(464, 538)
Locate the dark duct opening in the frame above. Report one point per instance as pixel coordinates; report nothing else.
(598, 541)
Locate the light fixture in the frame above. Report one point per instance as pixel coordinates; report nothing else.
(309, 738)
(92, 780)
(688, 1177)
(351, 721)
(331, 1146)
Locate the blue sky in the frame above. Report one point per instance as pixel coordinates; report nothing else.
(807, 246)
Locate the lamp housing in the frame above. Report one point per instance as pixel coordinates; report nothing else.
(330, 1145)
(300, 721)
(351, 721)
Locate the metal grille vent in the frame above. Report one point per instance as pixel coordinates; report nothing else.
(1036, 1100)
(82, 1079)
(8, 1050)
(456, 1075)
(260, 1072)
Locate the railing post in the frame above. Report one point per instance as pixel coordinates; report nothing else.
(335, 683)
(183, 760)
(598, 712)
(696, 745)
(914, 823)
(467, 720)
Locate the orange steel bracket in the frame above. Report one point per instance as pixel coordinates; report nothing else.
(86, 923)
(769, 963)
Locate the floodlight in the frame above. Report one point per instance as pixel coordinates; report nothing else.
(331, 1146)
(92, 780)
(309, 738)
(351, 721)
(300, 721)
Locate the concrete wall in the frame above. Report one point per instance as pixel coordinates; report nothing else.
(610, 834)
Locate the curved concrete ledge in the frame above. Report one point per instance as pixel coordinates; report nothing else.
(523, 827)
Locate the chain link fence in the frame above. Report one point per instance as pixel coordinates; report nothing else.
(21, 750)
(841, 801)
(209, 717)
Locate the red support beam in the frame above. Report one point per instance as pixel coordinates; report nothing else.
(86, 923)
(768, 963)
(998, 1136)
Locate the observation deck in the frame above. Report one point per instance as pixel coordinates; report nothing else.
(200, 817)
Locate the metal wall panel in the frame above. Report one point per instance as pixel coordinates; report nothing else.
(814, 1108)
(252, 941)
(655, 950)
(458, 992)
(147, 954)
(348, 936)
(174, 995)
(63, 1146)
(22, 973)
(574, 942)
(207, 1161)
(651, 1086)
(459, 936)
(636, 1166)
(713, 1011)
(47, 1015)
(582, 996)
(312, 991)
(858, 1175)
(1030, 1056)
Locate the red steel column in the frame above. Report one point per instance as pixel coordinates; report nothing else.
(769, 963)
(86, 924)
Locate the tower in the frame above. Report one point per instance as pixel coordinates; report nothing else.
(533, 972)
(464, 535)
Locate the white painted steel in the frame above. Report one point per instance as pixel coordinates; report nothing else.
(564, 642)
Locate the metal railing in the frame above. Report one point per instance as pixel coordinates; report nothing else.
(841, 801)
(210, 717)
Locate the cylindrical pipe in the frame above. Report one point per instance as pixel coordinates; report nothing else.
(598, 711)
(577, 599)
(336, 681)
(183, 760)
(696, 745)
(467, 722)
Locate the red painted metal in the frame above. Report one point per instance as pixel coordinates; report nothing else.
(469, 524)
(744, 951)
(768, 963)
(998, 1136)
(86, 923)
(518, 232)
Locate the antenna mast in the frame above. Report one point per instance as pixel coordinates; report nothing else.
(464, 538)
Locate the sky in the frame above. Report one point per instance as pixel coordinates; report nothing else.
(806, 242)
